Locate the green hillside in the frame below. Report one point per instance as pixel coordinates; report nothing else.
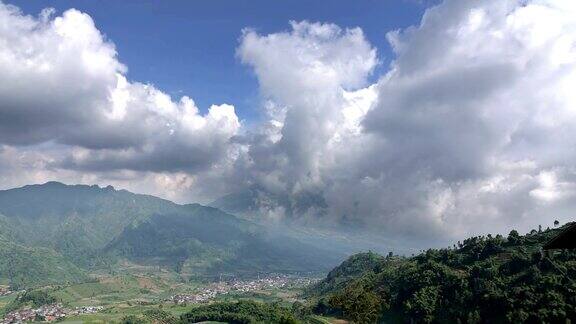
(24, 267)
(89, 227)
(484, 279)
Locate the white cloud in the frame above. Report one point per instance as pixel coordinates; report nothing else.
(475, 113)
(471, 130)
(61, 82)
(314, 107)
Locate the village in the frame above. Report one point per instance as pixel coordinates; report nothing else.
(46, 313)
(57, 311)
(242, 286)
(5, 291)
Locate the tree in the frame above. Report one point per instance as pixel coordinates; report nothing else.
(357, 303)
(514, 237)
(423, 304)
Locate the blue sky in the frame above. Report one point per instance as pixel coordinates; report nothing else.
(188, 47)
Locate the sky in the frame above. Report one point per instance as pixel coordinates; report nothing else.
(188, 47)
(419, 122)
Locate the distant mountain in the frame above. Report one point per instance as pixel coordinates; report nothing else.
(87, 227)
(76, 221)
(199, 238)
(240, 203)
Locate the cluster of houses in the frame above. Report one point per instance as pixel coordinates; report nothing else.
(202, 296)
(243, 286)
(5, 291)
(277, 281)
(85, 310)
(48, 313)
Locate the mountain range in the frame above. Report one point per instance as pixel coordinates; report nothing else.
(54, 233)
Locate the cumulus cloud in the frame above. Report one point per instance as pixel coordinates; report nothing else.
(61, 82)
(472, 128)
(314, 110)
(478, 98)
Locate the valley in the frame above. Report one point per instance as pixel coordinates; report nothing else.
(111, 298)
(98, 255)
(86, 254)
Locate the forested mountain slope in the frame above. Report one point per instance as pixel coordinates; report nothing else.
(23, 266)
(86, 227)
(484, 279)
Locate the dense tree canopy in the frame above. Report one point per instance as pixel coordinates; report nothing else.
(241, 312)
(482, 279)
